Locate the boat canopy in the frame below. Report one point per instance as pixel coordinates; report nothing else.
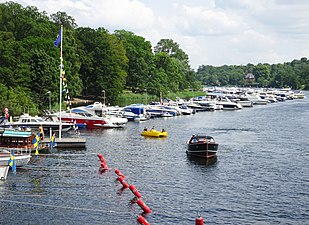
(8, 133)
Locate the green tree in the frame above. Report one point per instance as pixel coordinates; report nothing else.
(261, 73)
(104, 62)
(14, 70)
(140, 64)
(62, 18)
(172, 49)
(177, 69)
(23, 22)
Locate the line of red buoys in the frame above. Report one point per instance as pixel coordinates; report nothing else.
(142, 220)
(137, 199)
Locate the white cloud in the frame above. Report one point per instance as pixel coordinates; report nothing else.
(112, 14)
(214, 32)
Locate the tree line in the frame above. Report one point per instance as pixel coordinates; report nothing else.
(97, 62)
(293, 74)
(94, 60)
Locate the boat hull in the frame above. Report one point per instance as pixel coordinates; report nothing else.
(21, 160)
(205, 150)
(46, 127)
(154, 133)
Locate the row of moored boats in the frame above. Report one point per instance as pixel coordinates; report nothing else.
(20, 133)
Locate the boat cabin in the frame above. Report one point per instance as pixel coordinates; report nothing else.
(16, 139)
(201, 139)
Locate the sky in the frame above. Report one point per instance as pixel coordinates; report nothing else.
(210, 32)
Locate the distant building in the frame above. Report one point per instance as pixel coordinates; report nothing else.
(249, 78)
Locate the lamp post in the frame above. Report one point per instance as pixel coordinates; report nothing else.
(146, 95)
(103, 91)
(49, 100)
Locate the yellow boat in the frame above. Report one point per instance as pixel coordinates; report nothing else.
(154, 133)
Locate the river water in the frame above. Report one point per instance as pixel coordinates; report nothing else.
(261, 175)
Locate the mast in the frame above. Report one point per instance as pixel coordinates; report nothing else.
(60, 85)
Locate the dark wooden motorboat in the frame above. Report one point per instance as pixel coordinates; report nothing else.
(202, 146)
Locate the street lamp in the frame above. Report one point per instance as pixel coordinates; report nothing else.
(103, 91)
(49, 100)
(146, 95)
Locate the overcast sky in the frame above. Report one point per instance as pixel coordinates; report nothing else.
(211, 32)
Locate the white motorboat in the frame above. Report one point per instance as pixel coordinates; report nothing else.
(22, 158)
(135, 112)
(244, 102)
(185, 110)
(228, 105)
(84, 118)
(26, 122)
(256, 99)
(156, 110)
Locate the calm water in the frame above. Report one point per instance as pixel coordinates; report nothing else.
(261, 175)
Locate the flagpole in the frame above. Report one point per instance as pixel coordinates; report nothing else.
(60, 85)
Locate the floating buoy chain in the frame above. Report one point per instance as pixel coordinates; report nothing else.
(137, 195)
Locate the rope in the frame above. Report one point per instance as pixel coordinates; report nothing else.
(56, 169)
(54, 154)
(63, 207)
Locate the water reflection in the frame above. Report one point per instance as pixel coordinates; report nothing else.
(155, 138)
(202, 161)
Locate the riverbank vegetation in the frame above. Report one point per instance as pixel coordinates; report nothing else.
(98, 62)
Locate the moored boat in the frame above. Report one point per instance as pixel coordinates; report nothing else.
(83, 118)
(20, 143)
(32, 123)
(22, 158)
(135, 112)
(202, 146)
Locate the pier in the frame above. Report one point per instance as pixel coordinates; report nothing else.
(75, 142)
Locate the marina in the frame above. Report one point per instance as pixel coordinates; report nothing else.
(254, 180)
(101, 125)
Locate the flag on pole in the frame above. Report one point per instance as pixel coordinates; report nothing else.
(76, 128)
(58, 40)
(53, 140)
(36, 143)
(12, 162)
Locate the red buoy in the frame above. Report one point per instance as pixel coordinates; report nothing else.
(143, 206)
(135, 191)
(104, 166)
(120, 179)
(199, 221)
(142, 220)
(123, 182)
(101, 158)
(117, 172)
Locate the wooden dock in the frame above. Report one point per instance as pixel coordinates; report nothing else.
(75, 142)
